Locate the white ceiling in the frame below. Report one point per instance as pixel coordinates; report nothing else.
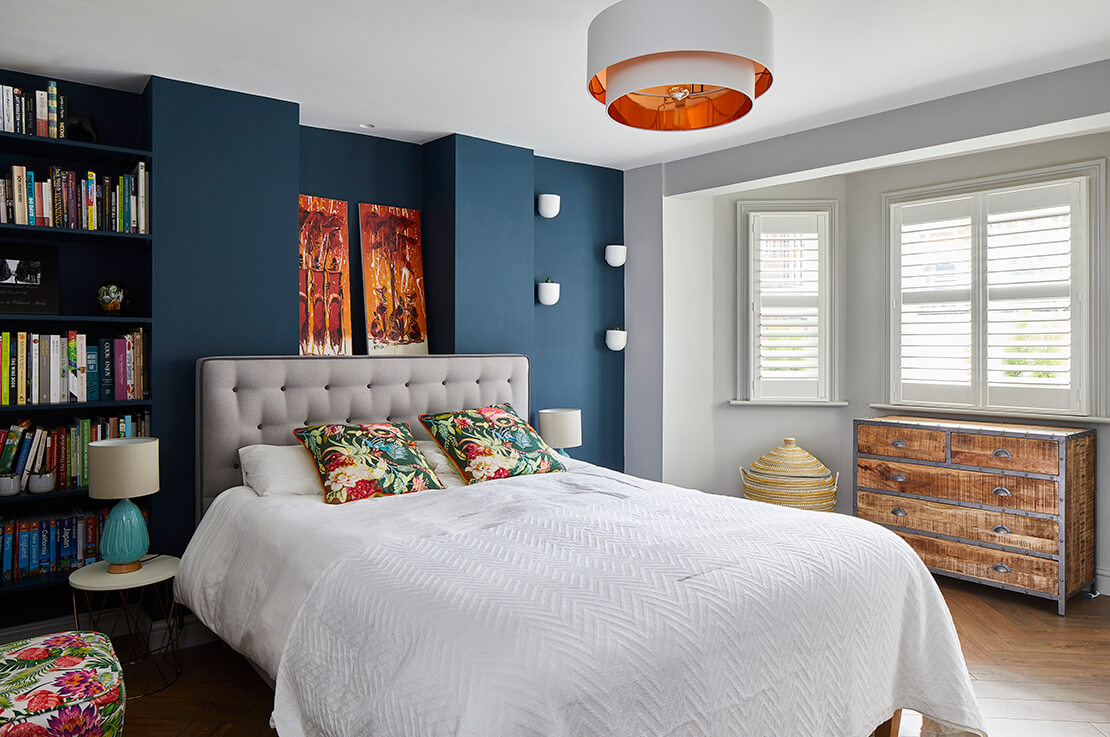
(514, 70)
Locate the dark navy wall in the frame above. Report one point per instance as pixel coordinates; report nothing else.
(438, 242)
(494, 243)
(571, 367)
(359, 169)
(224, 192)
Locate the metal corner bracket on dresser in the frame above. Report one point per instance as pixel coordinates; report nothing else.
(1005, 505)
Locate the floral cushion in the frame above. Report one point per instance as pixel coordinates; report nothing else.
(63, 685)
(491, 443)
(362, 461)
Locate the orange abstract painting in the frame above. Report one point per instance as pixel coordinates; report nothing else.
(325, 310)
(393, 280)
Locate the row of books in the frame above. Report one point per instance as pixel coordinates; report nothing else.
(33, 546)
(64, 451)
(36, 368)
(33, 112)
(78, 200)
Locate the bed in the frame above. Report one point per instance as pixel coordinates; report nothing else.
(580, 603)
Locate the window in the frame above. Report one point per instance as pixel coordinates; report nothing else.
(788, 300)
(990, 300)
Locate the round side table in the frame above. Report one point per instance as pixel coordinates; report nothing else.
(154, 668)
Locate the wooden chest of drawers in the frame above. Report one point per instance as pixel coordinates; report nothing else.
(1006, 505)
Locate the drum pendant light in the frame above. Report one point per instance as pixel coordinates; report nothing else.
(662, 65)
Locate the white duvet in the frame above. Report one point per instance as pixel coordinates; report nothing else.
(581, 603)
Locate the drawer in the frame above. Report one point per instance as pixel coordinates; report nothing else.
(901, 442)
(1025, 571)
(975, 487)
(1000, 528)
(1033, 455)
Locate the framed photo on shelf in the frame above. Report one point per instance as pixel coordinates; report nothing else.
(28, 279)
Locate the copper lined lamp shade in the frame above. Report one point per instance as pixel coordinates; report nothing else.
(662, 65)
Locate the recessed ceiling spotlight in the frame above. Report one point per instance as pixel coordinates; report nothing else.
(366, 126)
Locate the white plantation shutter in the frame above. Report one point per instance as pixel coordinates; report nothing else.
(987, 297)
(788, 255)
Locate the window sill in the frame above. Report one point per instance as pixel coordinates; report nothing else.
(1039, 416)
(785, 403)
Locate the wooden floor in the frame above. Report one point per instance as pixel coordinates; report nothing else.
(1036, 674)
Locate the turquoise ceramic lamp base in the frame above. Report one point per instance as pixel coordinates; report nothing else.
(124, 539)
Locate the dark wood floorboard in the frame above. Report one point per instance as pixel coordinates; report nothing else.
(1035, 674)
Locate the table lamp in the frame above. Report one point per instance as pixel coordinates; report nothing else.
(123, 468)
(561, 428)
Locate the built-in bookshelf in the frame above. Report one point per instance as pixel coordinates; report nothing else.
(115, 246)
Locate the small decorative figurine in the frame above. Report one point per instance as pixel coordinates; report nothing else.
(114, 298)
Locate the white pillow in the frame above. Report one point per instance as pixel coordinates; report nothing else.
(440, 463)
(272, 470)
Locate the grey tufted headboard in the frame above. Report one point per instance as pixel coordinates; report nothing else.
(261, 399)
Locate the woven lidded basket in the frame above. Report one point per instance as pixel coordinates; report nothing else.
(792, 477)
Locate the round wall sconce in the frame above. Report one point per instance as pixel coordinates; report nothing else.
(615, 255)
(616, 339)
(547, 205)
(547, 292)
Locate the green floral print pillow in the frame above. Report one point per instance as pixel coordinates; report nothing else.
(363, 461)
(491, 443)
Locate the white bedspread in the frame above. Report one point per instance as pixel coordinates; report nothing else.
(593, 603)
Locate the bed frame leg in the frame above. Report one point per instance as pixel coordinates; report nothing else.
(889, 728)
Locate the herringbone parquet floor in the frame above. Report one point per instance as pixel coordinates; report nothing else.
(1036, 675)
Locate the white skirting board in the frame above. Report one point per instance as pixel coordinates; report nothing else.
(1102, 580)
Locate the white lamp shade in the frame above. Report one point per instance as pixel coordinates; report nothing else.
(616, 254)
(547, 205)
(561, 427)
(123, 468)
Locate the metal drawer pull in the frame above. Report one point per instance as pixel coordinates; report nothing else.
(898, 443)
(897, 477)
(898, 512)
(1001, 491)
(1003, 453)
(1001, 567)
(1002, 530)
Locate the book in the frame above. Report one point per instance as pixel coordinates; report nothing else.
(7, 545)
(119, 370)
(17, 109)
(21, 368)
(30, 187)
(19, 193)
(62, 111)
(86, 430)
(81, 350)
(9, 108)
(52, 109)
(12, 444)
(129, 342)
(106, 370)
(5, 354)
(54, 545)
(27, 455)
(92, 374)
(22, 541)
(42, 113)
(44, 545)
(54, 356)
(90, 201)
(44, 369)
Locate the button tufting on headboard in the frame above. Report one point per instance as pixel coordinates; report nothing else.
(399, 387)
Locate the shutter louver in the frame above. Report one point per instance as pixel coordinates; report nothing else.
(788, 313)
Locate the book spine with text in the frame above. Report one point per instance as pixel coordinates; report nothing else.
(106, 370)
(62, 111)
(42, 113)
(21, 368)
(119, 370)
(19, 193)
(71, 365)
(31, 218)
(79, 357)
(90, 200)
(52, 109)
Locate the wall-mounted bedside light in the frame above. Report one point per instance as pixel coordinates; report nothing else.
(547, 292)
(615, 255)
(547, 205)
(616, 339)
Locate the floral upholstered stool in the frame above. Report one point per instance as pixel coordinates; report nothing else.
(64, 685)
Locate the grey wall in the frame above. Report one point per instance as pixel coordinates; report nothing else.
(643, 319)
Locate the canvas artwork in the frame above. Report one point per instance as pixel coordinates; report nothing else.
(393, 280)
(325, 279)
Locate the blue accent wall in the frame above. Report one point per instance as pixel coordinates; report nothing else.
(571, 367)
(438, 236)
(359, 169)
(224, 192)
(494, 243)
